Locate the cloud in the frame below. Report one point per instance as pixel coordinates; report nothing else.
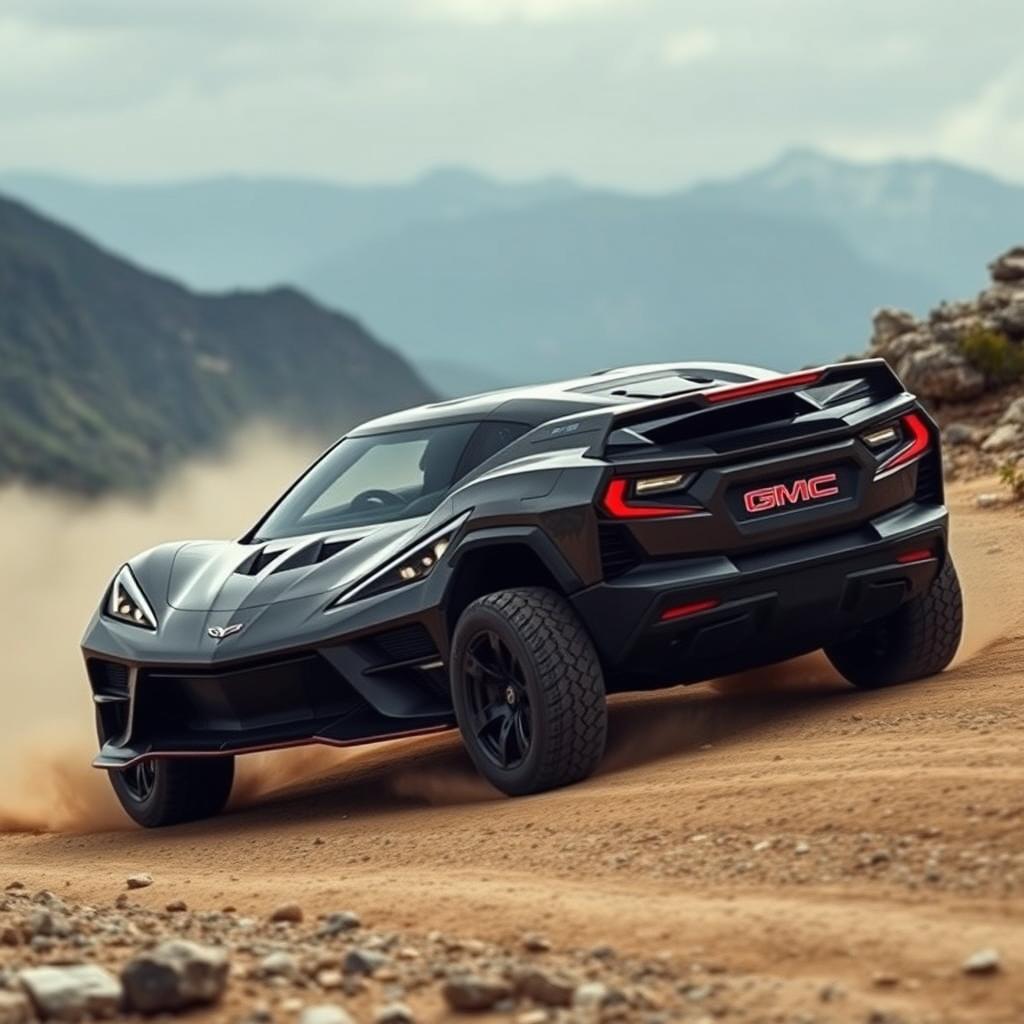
(989, 127)
(645, 94)
(688, 46)
(495, 11)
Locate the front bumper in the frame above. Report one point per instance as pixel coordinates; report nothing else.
(386, 685)
(771, 604)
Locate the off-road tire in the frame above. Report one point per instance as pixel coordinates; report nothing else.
(183, 789)
(564, 680)
(919, 639)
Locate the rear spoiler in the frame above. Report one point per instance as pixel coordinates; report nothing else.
(875, 374)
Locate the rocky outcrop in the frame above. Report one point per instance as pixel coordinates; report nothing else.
(965, 360)
(954, 354)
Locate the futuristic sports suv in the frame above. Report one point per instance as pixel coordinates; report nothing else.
(501, 563)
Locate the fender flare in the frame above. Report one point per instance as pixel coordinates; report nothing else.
(532, 537)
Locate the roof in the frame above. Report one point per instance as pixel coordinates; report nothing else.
(536, 404)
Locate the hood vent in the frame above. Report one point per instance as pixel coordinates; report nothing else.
(259, 560)
(315, 553)
(300, 557)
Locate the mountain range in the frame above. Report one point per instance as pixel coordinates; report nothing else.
(109, 374)
(480, 282)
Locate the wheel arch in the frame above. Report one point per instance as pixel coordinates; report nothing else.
(498, 559)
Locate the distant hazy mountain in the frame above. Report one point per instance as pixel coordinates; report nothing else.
(479, 281)
(109, 374)
(922, 216)
(250, 232)
(574, 285)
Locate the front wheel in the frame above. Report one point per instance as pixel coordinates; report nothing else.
(919, 639)
(528, 691)
(168, 791)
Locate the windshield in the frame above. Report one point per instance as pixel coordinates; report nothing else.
(363, 481)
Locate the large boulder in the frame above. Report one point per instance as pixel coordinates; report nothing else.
(890, 323)
(1009, 266)
(174, 976)
(1014, 412)
(1010, 318)
(72, 993)
(1004, 437)
(941, 374)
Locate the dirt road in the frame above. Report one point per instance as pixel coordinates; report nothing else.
(791, 830)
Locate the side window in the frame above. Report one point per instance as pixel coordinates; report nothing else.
(488, 439)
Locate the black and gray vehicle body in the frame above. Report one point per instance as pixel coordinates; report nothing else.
(688, 519)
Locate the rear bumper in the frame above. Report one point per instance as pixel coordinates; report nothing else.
(771, 604)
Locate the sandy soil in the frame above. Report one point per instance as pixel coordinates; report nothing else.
(780, 824)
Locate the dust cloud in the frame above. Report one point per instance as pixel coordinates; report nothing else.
(58, 554)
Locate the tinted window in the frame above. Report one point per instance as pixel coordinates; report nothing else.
(374, 479)
(488, 440)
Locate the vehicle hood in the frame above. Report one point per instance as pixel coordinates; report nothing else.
(211, 576)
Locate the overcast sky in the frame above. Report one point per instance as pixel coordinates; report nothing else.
(644, 94)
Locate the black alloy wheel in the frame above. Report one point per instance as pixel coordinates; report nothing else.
(497, 699)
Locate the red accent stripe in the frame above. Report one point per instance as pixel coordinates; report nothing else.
(761, 387)
(915, 556)
(615, 504)
(265, 747)
(920, 441)
(682, 610)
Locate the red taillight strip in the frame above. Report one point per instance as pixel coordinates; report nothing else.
(915, 556)
(760, 387)
(920, 440)
(682, 610)
(615, 504)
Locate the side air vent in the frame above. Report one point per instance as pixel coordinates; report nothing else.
(929, 480)
(407, 643)
(619, 552)
(109, 679)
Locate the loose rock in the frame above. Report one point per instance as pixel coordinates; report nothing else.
(15, 1008)
(551, 988)
(363, 961)
(290, 913)
(139, 881)
(327, 1013)
(175, 975)
(72, 993)
(472, 993)
(983, 961)
(340, 922)
(394, 1013)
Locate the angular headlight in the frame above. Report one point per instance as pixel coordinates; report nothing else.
(416, 564)
(127, 602)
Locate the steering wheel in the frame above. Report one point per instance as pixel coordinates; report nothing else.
(376, 497)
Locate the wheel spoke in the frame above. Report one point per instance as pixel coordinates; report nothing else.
(491, 715)
(497, 698)
(506, 740)
(475, 666)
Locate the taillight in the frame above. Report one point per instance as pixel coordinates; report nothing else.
(761, 387)
(622, 502)
(918, 442)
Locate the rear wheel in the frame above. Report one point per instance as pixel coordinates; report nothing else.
(168, 791)
(528, 691)
(919, 639)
